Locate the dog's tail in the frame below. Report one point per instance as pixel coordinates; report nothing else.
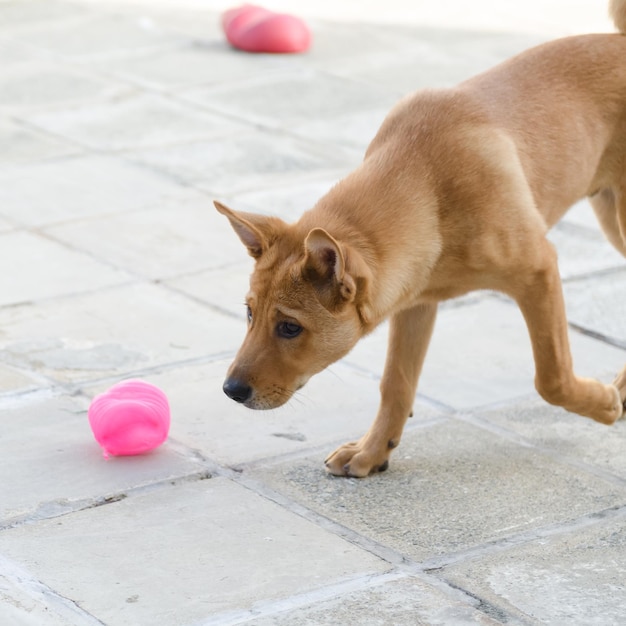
(617, 11)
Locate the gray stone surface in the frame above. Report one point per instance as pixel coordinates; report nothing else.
(583, 252)
(223, 287)
(186, 67)
(49, 269)
(480, 354)
(243, 163)
(15, 380)
(136, 121)
(493, 488)
(172, 239)
(286, 100)
(26, 87)
(53, 432)
(21, 145)
(92, 36)
(122, 561)
(112, 333)
(573, 579)
(120, 122)
(598, 306)
(406, 601)
(571, 437)
(291, 199)
(59, 190)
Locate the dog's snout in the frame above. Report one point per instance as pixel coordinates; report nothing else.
(237, 390)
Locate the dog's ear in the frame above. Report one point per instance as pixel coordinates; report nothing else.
(324, 259)
(257, 232)
(338, 273)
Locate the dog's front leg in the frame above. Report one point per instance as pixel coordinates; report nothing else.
(409, 334)
(540, 297)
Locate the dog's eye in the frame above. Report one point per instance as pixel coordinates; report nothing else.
(249, 314)
(288, 330)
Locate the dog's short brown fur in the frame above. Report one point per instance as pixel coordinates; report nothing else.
(456, 192)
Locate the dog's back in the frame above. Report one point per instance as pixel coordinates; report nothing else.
(536, 98)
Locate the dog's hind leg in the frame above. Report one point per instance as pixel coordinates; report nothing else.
(610, 208)
(539, 294)
(409, 334)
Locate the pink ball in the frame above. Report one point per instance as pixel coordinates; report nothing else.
(132, 417)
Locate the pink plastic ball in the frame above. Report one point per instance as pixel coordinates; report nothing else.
(132, 417)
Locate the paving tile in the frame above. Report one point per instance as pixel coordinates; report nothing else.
(22, 145)
(193, 19)
(575, 438)
(46, 443)
(582, 215)
(287, 100)
(480, 354)
(18, 607)
(46, 193)
(48, 269)
(429, 68)
(598, 304)
(16, 17)
(343, 50)
(244, 162)
(133, 122)
(355, 130)
(199, 63)
(14, 380)
(293, 197)
(224, 288)
(129, 562)
(113, 332)
(158, 243)
(575, 578)
(93, 36)
(14, 53)
(45, 85)
(335, 405)
(449, 487)
(582, 251)
(403, 602)
(414, 57)
(6, 225)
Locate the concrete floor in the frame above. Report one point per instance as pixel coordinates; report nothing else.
(119, 123)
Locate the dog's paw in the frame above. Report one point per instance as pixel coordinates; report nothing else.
(356, 461)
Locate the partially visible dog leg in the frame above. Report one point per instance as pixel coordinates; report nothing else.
(606, 207)
(409, 335)
(540, 297)
(610, 209)
(620, 383)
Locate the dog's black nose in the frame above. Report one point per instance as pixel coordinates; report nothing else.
(236, 390)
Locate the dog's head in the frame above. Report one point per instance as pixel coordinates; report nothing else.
(307, 306)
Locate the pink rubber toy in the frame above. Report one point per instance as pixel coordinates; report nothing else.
(132, 417)
(254, 29)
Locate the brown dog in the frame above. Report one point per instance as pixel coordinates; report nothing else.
(456, 192)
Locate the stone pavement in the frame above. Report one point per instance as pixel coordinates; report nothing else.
(119, 123)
